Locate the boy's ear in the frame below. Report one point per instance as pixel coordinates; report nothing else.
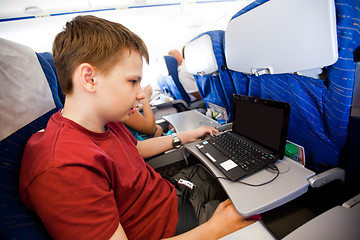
(87, 74)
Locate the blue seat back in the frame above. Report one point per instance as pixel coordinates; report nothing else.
(320, 109)
(49, 58)
(17, 222)
(215, 82)
(167, 85)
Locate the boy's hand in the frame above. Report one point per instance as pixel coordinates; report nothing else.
(227, 220)
(195, 134)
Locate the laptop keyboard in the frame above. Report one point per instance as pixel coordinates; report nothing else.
(246, 156)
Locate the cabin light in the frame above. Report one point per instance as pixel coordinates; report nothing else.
(143, 2)
(32, 10)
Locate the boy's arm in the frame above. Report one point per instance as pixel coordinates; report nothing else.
(225, 220)
(153, 146)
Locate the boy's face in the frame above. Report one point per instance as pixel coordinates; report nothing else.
(119, 92)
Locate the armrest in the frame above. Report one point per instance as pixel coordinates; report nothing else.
(197, 104)
(337, 223)
(352, 202)
(255, 231)
(169, 157)
(326, 177)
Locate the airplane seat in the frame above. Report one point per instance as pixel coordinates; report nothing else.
(169, 98)
(177, 90)
(281, 56)
(339, 222)
(241, 82)
(170, 84)
(283, 64)
(49, 58)
(205, 60)
(353, 164)
(29, 96)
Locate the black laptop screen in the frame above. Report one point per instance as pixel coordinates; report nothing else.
(263, 121)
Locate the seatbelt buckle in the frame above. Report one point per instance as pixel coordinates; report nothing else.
(186, 183)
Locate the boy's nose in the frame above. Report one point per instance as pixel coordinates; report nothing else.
(141, 94)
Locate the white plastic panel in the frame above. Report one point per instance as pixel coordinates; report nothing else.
(283, 36)
(200, 57)
(161, 67)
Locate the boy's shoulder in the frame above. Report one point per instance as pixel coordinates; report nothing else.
(60, 143)
(65, 142)
(57, 132)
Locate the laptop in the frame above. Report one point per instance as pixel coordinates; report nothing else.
(257, 138)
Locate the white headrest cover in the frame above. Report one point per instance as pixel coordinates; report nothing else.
(283, 36)
(200, 57)
(161, 67)
(25, 94)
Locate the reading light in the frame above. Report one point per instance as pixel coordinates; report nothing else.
(32, 10)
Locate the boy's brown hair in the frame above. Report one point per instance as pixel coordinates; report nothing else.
(93, 40)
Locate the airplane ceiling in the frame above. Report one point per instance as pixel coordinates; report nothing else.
(162, 24)
(24, 8)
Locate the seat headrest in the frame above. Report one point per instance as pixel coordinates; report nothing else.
(161, 67)
(282, 36)
(199, 56)
(25, 94)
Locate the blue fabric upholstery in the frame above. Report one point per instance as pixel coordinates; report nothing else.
(249, 7)
(17, 222)
(217, 89)
(320, 109)
(49, 58)
(241, 82)
(167, 84)
(207, 85)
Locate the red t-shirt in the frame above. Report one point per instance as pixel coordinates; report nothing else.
(82, 184)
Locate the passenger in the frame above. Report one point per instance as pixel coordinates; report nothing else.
(85, 176)
(185, 78)
(145, 122)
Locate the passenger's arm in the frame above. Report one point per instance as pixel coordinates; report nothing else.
(225, 220)
(153, 146)
(196, 95)
(143, 123)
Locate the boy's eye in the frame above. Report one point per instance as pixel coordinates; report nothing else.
(133, 82)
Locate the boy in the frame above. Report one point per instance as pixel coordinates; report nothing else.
(85, 176)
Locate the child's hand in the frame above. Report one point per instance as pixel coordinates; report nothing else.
(193, 135)
(148, 91)
(227, 220)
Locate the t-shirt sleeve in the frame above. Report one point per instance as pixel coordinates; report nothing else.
(78, 199)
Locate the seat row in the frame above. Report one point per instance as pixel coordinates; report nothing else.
(306, 60)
